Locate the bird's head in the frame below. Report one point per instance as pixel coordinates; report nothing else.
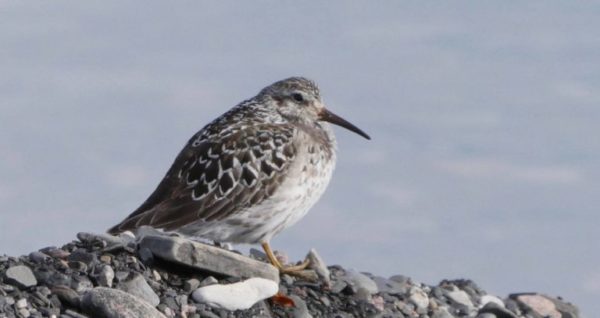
(298, 99)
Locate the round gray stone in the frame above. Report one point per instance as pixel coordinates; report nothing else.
(105, 302)
(138, 286)
(20, 276)
(360, 280)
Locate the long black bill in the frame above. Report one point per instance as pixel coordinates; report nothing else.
(328, 116)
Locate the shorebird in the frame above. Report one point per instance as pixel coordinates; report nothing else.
(250, 173)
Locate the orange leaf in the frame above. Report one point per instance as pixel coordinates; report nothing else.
(283, 300)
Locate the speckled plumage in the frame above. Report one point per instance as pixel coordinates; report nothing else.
(250, 173)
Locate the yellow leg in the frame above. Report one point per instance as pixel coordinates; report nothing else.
(286, 270)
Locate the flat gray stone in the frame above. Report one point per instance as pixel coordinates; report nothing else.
(207, 258)
(137, 286)
(20, 276)
(105, 302)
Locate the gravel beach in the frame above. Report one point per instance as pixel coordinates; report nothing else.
(162, 276)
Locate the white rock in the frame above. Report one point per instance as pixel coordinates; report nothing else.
(22, 303)
(419, 298)
(106, 276)
(242, 295)
(491, 299)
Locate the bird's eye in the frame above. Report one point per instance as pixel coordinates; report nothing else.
(298, 97)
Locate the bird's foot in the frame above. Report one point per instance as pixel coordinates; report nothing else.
(295, 270)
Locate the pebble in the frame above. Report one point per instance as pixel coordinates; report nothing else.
(82, 256)
(105, 276)
(497, 310)
(567, 310)
(93, 238)
(317, 264)
(23, 312)
(39, 257)
(207, 314)
(74, 314)
(156, 275)
(105, 259)
(460, 297)
(401, 279)
(325, 301)
(114, 303)
(138, 286)
(287, 279)
(442, 312)
(338, 286)
(485, 299)
(146, 255)
(378, 302)
(258, 254)
(9, 301)
(208, 281)
(81, 283)
(236, 296)
(55, 252)
(191, 285)
(390, 286)
(363, 294)
(21, 303)
(121, 275)
(78, 266)
(67, 295)
(360, 280)
(419, 298)
(300, 310)
(20, 276)
(540, 304)
(169, 312)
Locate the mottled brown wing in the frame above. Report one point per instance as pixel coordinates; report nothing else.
(215, 176)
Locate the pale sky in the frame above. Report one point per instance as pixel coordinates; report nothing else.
(484, 119)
